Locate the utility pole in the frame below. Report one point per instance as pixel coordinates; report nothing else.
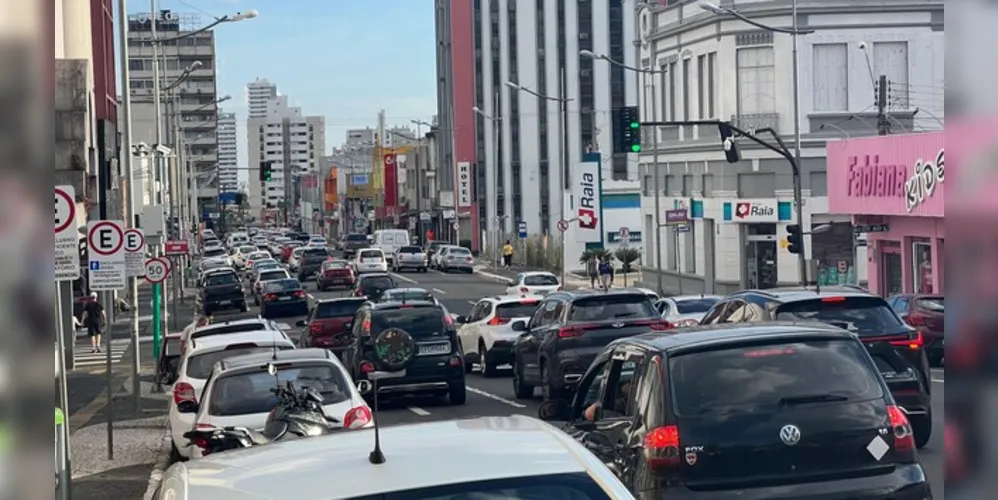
(286, 150)
(656, 176)
(883, 124)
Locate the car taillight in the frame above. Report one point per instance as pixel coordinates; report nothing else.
(904, 436)
(662, 449)
(570, 332)
(183, 391)
(915, 320)
(366, 367)
(300, 294)
(315, 328)
(498, 321)
(270, 296)
(914, 342)
(455, 361)
(357, 417)
(448, 320)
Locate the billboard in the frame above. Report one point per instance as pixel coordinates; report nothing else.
(463, 184)
(587, 201)
(391, 180)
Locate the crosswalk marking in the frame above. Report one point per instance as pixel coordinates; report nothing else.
(86, 358)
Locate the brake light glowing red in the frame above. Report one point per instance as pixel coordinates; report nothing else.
(915, 320)
(315, 328)
(270, 296)
(569, 332)
(204, 427)
(496, 321)
(530, 302)
(366, 367)
(454, 361)
(915, 342)
(904, 436)
(300, 294)
(833, 299)
(662, 448)
(448, 320)
(357, 417)
(182, 391)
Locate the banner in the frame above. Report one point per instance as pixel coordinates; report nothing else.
(587, 201)
(391, 181)
(463, 184)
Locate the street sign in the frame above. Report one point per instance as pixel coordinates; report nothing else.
(625, 234)
(135, 253)
(683, 228)
(175, 247)
(156, 270)
(871, 228)
(106, 248)
(456, 225)
(425, 217)
(67, 235)
(522, 229)
(676, 216)
(563, 225)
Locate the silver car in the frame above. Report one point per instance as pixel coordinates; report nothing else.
(685, 310)
(456, 259)
(410, 257)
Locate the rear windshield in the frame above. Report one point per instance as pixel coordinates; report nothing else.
(860, 315)
(694, 306)
(273, 275)
(224, 329)
(334, 264)
(221, 279)
(267, 264)
(356, 237)
(603, 308)
(540, 280)
(435, 245)
(370, 254)
(771, 375)
(336, 309)
(379, 282)
(247, 250)
(410, 250)
(315, 253)
(213, 264)
(459, 251)
(401, 295)
(574, 486)
(199, 365)
(418, 321)
(293, 244)
(934, 304)
(523, 309)
(249, 393)
(297, 251)
(259, 255)
(215, 252)
(285, 285)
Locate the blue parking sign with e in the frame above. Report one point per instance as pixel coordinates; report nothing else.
(95, 265)
(523, 229)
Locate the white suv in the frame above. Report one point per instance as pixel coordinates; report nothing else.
(485, 334)
(195, 366)
(194, 332)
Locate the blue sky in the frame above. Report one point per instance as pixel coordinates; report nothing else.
(342, 59)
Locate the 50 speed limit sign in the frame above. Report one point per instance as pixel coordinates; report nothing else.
(156, 270)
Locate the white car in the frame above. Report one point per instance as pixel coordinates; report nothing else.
(239, 393)
(196, 364)
(255, 256)
(263, 277)
(316, 241)
(435, 260)
(498, 457)
(370, 260)
(295, 259)
(216, 253)
(533, 283)
(686, 310)
(485, 335)
(239, 258)
(190, 336)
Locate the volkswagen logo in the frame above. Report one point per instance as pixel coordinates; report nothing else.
(790, 435)
(618, 324)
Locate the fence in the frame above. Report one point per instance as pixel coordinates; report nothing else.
(535, 252)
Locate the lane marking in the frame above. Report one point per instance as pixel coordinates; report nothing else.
(493, 397)
(404, 278)
(311, 297)
(440, 291)
(419, 411)
(472, 302)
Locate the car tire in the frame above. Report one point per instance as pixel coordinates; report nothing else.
(521, 389)
(486, 362)
(469, 365)
(175, 455)
(921, 425)
(457, 394)
(548, 390)
(244, 307)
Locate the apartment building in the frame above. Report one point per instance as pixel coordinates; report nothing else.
(258, 92)
(228, 156)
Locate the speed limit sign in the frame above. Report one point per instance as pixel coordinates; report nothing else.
(156, 270)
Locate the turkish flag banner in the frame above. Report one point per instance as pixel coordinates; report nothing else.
(391, 180)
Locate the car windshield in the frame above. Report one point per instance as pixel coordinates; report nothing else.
(213, 264)
(459, 252)
(337, 308)
(357, 238)
(252, 392)
(568, 486)
(410, 250)
(273, 275)
(370, 254)
(695, 306)
(724, 380)
(403, 295)
(199, 365)
(418, 321)
(285, 285)
(860, 315)
(214, 252)
(258, 255)
(521, 309)
(614, 306)
(221, 279)
(377, 283)
(247, 250)
(540, 280)
(934, 304)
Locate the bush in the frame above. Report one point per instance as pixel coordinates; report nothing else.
(627, 256)
(589, 253)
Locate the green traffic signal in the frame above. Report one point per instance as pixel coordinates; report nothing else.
(636, 148)
(635, 125)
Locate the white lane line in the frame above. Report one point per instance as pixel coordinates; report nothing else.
(311, 297)
(440, 291)
(493, 397)
(419, 411)
(403, 278)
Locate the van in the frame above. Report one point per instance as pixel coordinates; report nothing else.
(389, 241)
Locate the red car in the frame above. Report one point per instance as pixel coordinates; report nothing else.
(329, 323)
(334, 273)
(287, 249)
(926, 314)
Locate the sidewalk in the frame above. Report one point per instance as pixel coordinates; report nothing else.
(573, 281)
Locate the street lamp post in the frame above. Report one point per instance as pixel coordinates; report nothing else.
(492, 213)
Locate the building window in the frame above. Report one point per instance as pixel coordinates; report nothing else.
(702, 87)
(686, 89)
(831, 77)
(891, 59)
(712, 85)
(672, 91)
(756, 81)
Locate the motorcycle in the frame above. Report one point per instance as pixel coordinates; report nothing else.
(298, 414)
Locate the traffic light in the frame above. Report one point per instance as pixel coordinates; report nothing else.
(728, 142)
(627, 124)
(266, 170)
(795, 239)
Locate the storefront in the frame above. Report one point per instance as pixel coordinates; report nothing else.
(892, 187)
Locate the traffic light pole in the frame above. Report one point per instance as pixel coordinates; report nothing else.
(780, 149)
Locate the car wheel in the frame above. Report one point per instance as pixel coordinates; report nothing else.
(457, 394)
(521, 389)
(244, 307)
(175, 455)
(548, 390)
(485, 361)
(469, 364)
(921, 425)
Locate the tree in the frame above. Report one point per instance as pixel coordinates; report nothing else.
(599, 253)
(626, 256)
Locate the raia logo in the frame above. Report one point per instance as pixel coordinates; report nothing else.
(587, 202)
(743, 210)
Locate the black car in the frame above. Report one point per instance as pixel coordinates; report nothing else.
(354, 242)
(748, 411)
(283, 298)
(868, 316)
(373, 285)
(568, 330)
(222, 290)
(310, 261)
(437, 368)
(433, 247)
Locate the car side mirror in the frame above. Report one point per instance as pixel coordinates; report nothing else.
(510, 283)
(301, 322)
(519, 326)
(461, 319)
(187, 407)
(554, 410)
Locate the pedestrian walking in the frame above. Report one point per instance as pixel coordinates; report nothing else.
(592, 269)
(605, 273)
(95, 319)
(507, 255)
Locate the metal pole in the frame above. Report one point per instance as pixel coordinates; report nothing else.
(679, 267)
(130, 215)
(158, 113)
(108, 303)
(175, 278)
(563, 172)
(656, 186)
(65, 476)
(419, 208)
(798, 195)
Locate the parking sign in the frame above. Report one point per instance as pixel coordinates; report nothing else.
(106, 248)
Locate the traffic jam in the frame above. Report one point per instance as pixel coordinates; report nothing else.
(315, 352)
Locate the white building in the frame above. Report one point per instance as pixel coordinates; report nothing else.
(360, 137)
(228, 158)
(529, 42)
(258, 92)
(722, 68)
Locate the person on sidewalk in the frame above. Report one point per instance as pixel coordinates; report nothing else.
(95, 319)
(592, 269)
(507, 255)
(605, 274)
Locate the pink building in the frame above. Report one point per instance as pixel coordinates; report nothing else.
(893, 188)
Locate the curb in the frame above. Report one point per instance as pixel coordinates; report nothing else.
(161, 463)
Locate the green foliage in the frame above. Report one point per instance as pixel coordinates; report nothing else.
(599, 253)
(627, 256)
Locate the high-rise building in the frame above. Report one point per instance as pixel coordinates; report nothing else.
(290, 141)
(258, 92)
(360, 137)
(228, 158)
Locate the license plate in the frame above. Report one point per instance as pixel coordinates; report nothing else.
(224, 302)
(284, 298)
(433, 349)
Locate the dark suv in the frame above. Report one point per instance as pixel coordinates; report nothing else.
(310, 262)
(438, 366)
(568, 330)
(776, 410)
(354, 242)
(868, 316)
